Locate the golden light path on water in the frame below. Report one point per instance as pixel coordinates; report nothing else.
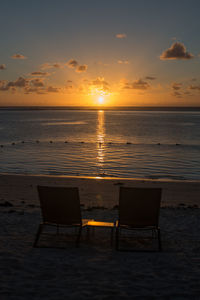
(100, 138)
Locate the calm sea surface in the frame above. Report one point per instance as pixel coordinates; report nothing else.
(138, 144)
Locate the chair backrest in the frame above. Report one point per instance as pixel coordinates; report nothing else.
(60, 205)
(139, 207)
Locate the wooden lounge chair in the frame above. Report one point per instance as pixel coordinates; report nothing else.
(60, 207)
(139, 210)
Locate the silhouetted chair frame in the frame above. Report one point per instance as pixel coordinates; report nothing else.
(139, 210)
(60, 207)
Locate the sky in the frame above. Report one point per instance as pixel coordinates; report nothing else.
(92, 52)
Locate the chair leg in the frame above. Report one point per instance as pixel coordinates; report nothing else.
(117, 238)
(38, 235)
(159, 240)
(111, 240)
(88, 233)
(79, 236)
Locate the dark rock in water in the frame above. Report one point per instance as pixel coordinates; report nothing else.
(128, 143)
(6, 204)
(37, 141)
(51, 142)
(22, 142)
(177, 144)
(66, 142)
(158, 144)
(13, 144)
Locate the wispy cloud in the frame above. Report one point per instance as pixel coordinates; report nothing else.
(100, 82)
(18, 56)
(194, 87)
(150, 78)
(72, 63)
(138, 84)
(3, 86)
(177, 94)
(176, 86)
(39, 73)
(121, 62)
(52, 89)
(46, 66)
(176, 51)
(121, 35)
(37, 82)
(2, 67)
(81, 69)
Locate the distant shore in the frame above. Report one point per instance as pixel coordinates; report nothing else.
(117, 108)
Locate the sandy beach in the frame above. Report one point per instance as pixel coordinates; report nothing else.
(96, 270)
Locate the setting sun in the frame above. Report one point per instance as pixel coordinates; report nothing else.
(101, 100)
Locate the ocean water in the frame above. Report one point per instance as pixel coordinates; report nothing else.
(132, 144)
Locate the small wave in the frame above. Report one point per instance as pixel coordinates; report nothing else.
(64, 123)
(172, 177)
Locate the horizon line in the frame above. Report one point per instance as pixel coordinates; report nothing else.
(74, 107)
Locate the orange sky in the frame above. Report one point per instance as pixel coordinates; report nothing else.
(131, 55)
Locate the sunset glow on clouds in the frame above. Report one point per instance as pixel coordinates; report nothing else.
(73, 62)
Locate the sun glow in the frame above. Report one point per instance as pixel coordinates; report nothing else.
(101, 100)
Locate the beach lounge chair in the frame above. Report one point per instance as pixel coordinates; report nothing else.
(60, 207)
(139, 210)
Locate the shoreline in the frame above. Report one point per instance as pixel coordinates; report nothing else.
(103, 177)
(98, 191)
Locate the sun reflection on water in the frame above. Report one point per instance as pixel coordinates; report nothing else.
(100, 138)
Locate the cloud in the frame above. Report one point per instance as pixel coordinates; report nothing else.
(2, 67)
(72, 63)
(99, 81)
(18, 56)
(121, 35)
(52, 89)
(194, 87)
(3, 85)
(30, 90)
(176, 86)
(100, 84)
(81, 69)
(150, 78)
(39, 73)
(57, 65)
(50, 66)
(37, 82)
(45, 66)
(19, 82)
(125, 62)
(177, 94)
(176, 51)
(135, 85)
